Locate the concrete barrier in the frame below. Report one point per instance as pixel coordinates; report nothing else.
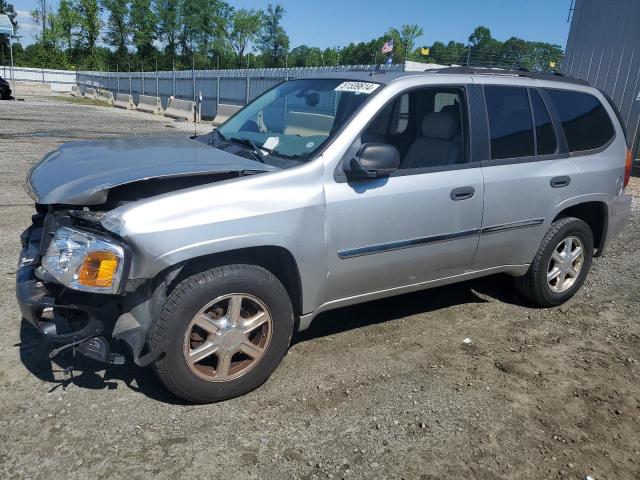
(149, 104)
(181, 109)
(75, 91)
(90, 92)
(223, 113)
(123, 100)
(106, 96)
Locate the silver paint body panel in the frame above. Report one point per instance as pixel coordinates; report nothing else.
(306, 211)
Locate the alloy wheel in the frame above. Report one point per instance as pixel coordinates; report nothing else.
(227, 337)
(565, 264)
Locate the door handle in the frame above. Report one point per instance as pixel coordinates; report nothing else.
(462, 193)
(559, 182)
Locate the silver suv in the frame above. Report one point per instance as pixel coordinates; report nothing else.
(205, 254)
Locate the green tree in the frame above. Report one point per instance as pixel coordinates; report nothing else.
(273, 41)
(118, 28)
(542, 55)
(515, 52)
(67, 20)
(404, 41)
(143, 25)
(330, 56)
(305, 56)
(193, 24)
(89, 25)
(9, 10)
(241, 29)
(485, 50)
(168, 13)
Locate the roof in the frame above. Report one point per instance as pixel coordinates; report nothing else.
(387, 76)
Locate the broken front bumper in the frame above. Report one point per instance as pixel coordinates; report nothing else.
(83, 320)
(67, 324)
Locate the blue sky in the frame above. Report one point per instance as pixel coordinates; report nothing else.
(326, 23)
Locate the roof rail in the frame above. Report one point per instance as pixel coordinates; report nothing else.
(520, 72)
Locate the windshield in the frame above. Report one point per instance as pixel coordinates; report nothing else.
(295, 118)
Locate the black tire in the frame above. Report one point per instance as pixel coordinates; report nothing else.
(533, 285)
(186, 300)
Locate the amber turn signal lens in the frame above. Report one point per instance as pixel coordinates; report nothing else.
(98, 269)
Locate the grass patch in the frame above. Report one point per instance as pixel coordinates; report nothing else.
(79, 101)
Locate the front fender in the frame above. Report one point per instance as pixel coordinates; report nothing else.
(283, 209)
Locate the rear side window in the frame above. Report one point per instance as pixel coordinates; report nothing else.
(585, 121)
(510, 124)
(545, 135)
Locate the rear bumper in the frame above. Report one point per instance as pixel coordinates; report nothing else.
(619, 215)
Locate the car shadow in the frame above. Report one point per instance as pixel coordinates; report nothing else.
(83, 372)
(499, 287)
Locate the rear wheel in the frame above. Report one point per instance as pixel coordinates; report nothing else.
(560, 265)
(228, 329)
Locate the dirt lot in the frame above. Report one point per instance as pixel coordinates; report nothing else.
(382, 390)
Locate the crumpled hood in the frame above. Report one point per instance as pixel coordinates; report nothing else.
(81, 173)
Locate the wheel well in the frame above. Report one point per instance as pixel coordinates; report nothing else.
(593, 214)
(279, 261)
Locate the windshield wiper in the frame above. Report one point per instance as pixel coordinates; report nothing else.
(247, 142)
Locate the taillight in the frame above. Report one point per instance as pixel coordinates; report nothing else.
(627, 167)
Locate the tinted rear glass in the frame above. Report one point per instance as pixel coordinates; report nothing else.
(585, 122)
(545, 135)
(510, 124)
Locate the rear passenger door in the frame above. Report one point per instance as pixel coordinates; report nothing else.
(527, 174)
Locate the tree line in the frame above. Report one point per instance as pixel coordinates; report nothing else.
(205, 34)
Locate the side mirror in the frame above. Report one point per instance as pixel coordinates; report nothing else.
(374, 160)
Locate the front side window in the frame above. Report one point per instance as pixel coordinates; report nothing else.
(428, 126)
(295, 118)
(510, 124)
(585, 121)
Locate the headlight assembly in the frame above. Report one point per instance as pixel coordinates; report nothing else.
(83, 261)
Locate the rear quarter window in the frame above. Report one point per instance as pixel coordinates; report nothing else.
(585, 122)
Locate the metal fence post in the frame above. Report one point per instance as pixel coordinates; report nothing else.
(193, 81)
(246, 95)
(142, 78)
(157, 80)
(173, 79)
(218, 90)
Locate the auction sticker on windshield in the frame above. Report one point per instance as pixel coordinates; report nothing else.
(357, 87)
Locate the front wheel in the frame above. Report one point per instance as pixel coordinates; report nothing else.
(227, 330)
(560, 265)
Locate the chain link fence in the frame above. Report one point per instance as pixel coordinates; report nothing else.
(206, 87)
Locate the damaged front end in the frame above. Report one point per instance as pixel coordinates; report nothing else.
(73, 282)
(94, 303)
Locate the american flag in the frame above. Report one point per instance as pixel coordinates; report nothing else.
(387, 47)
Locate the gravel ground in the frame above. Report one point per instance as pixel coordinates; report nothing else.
(382, 390)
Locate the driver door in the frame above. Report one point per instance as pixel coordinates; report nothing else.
(421, 223)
